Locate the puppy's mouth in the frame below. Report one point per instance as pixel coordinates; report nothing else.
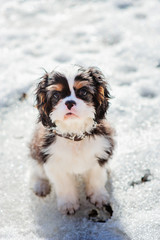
(70, 115)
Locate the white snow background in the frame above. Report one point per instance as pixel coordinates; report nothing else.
(122, 38)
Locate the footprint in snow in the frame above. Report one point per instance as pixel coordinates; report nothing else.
(124, 5)
(62, 58)
(147, 93)
(140, 16)
(128, 69)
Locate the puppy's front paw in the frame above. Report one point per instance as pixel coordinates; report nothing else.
(99, 199)
(68, 207)
(42, 187)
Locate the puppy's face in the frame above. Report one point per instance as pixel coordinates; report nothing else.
(72, 99)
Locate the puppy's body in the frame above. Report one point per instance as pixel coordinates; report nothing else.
(72, 137)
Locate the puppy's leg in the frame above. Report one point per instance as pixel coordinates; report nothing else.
(65, 189)
(95, 180)
(39, 181)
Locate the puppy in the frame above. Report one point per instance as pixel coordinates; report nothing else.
(72, 136)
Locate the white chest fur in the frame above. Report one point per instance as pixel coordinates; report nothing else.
(76, 156)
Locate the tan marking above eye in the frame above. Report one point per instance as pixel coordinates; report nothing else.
(80, 84)
(56, 87)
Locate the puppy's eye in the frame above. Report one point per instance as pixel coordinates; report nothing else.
(83, 92)
(56, 95)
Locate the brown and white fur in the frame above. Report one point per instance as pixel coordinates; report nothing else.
(72, 136)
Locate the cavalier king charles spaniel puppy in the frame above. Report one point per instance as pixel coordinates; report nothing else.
(72, 136)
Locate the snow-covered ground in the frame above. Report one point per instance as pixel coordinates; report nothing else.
(121, 37)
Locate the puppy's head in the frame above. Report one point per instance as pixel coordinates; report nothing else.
(72, 99)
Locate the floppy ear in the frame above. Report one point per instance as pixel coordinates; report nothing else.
(42, 102)
(102, 95)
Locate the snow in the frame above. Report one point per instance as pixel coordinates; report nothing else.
(121, 37)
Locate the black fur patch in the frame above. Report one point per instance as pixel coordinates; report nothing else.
(101, 130)
(58, 78)
(49, 139)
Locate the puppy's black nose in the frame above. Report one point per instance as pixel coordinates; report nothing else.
(70, 104)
